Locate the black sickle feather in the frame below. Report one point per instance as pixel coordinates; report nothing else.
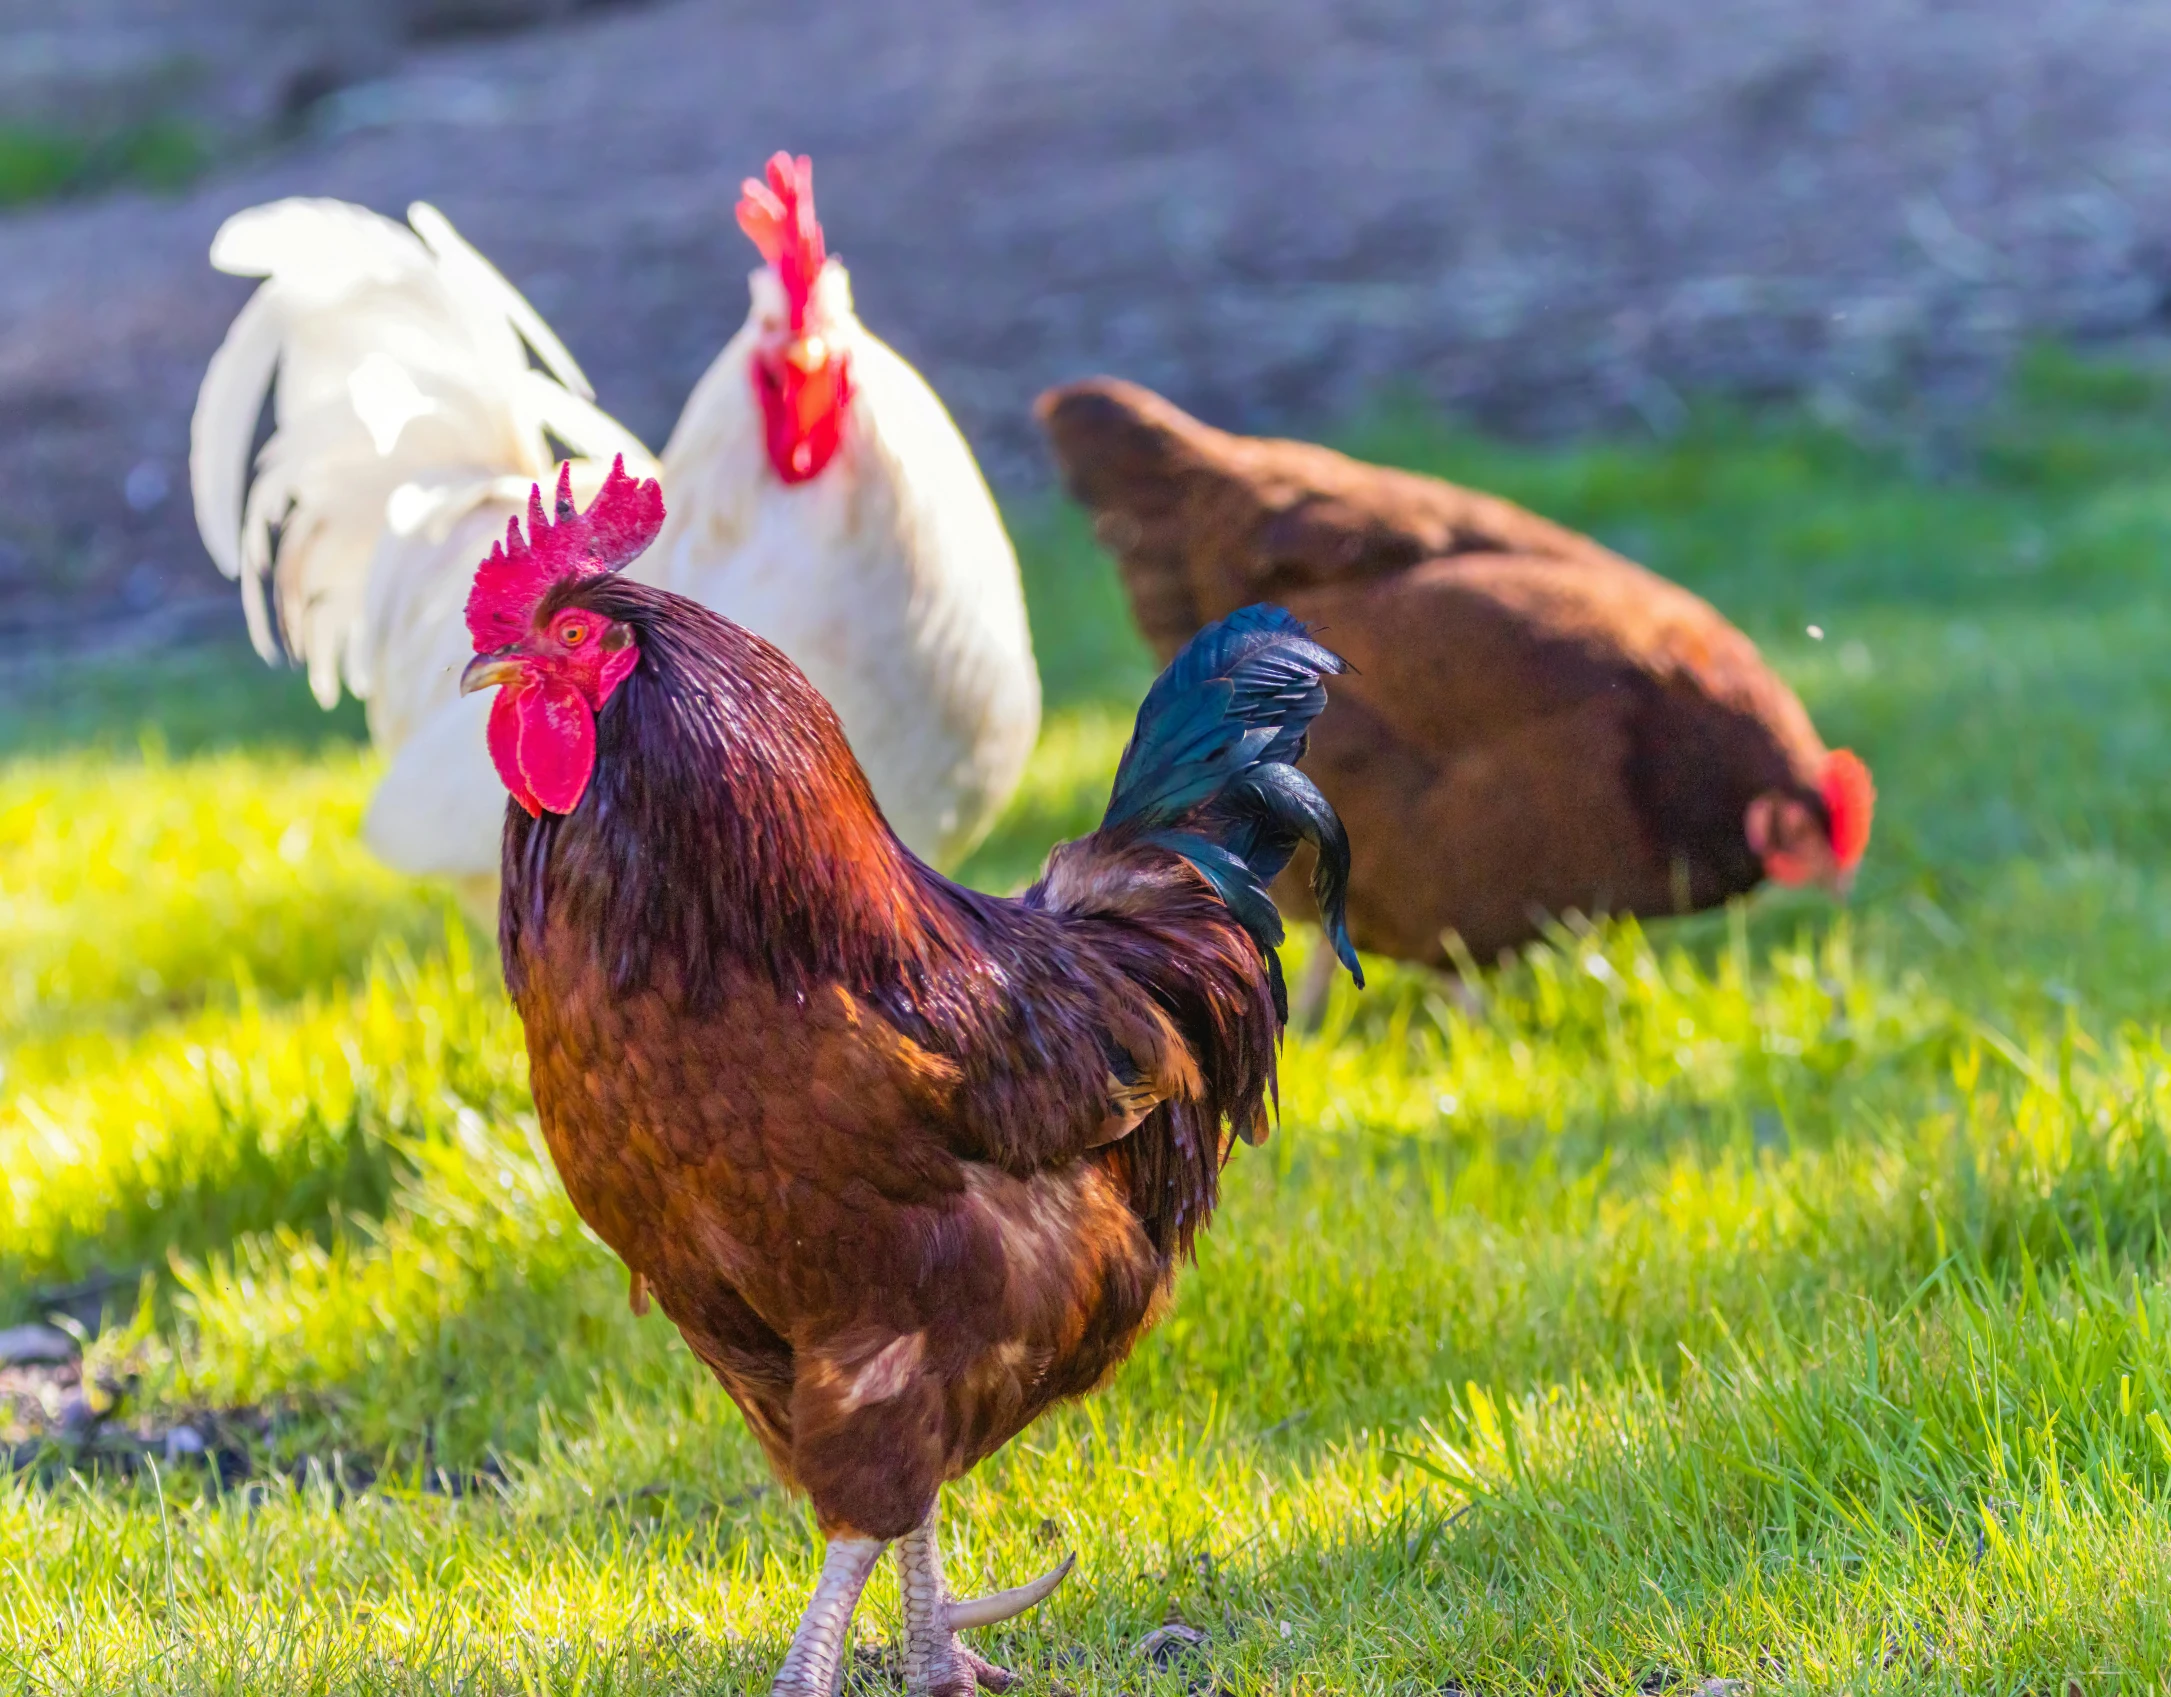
(1209, 772)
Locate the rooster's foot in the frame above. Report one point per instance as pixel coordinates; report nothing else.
(936, 1664)
(815, 1662)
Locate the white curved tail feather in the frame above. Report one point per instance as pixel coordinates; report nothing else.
(405, 399)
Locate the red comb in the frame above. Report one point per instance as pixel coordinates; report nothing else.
(778, 217)
(1849, 801)
(621, 521)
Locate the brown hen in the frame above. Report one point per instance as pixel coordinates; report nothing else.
(1531, 723)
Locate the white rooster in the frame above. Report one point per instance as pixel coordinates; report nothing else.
(819, 494)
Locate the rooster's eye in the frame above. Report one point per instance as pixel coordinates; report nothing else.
(572, 635)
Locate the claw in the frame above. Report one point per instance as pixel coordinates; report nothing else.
(1007, 1605)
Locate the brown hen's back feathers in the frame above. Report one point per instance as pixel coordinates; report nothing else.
(1532, 724)
(904, 1163)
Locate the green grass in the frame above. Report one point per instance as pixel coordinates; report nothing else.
(1776, 1295)
(43, 163)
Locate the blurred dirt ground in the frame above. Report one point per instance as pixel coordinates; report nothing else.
(1544, 212)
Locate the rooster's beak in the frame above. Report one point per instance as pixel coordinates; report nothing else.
(487, 671)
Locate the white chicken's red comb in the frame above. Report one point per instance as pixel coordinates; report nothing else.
(620, 522)
(778, 218)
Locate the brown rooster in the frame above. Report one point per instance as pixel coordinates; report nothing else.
(1531, 723)
(905, 1164)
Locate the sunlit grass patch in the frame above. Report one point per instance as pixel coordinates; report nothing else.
(1776, 1295)
(135, 889)
(44, 162)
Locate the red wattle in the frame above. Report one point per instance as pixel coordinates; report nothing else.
(557, 743)
(543, 743)
(803, 414)
(505, 745)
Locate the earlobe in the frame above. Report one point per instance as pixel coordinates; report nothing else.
(1756, 826)
(620, 656)
(1785, 838)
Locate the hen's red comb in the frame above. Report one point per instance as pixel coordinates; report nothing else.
(778, 217)
(621, 521)
(1849, 801)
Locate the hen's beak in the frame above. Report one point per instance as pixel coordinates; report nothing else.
(487, 671)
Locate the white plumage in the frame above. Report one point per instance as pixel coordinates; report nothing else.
(410, 423)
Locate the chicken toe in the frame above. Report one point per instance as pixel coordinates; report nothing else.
(815, 1662)
(936, 1664)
